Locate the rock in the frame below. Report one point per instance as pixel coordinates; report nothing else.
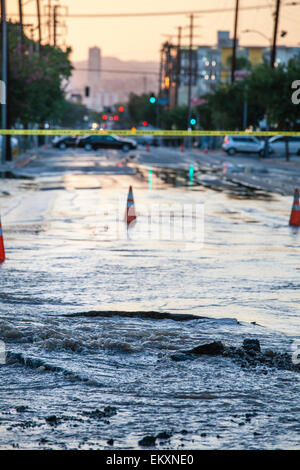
(180, 356)
(52, 419)
(110, 411)
(184, 431)
(147, 441)
(110, 442)
(269, 353)
(203, 434)
(164, 435)
(106, 413)
(251, 345)
(21, 409)
(210, 349)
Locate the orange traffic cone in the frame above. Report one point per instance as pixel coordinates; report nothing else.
(2, 251)
(130, 215)
(295, 214)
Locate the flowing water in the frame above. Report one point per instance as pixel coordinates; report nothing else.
(241, 282)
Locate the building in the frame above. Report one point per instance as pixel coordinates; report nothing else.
(94, 64)
(209, 66)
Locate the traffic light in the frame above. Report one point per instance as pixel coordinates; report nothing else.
(152, 98)
(193, 121)
(104, 117)
(145, 123)
(121, 109)
(116, 118)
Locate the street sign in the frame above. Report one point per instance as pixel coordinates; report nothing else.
(163, 100)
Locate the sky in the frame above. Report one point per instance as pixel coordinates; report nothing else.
(140, 38)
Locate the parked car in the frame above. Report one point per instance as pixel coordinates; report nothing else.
(94, 142)
(277, 144)
(64, 141)
(242, 144)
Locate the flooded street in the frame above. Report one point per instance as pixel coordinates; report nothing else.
(86, 368)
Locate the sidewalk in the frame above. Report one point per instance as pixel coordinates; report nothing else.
(252, 172)
(252, 160)
(21, 161)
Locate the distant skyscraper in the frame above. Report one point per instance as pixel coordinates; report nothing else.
(94, 64)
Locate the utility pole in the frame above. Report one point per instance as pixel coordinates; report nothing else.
(39, 22)
(178, 64)
(159, 88)
(233, 61)
(273, 50)
(21, 25)
(54, 24)
(49, 22)
(145, 84)
(190, 70)
(4, 80)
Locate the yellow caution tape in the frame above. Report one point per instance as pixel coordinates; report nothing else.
(143, 132)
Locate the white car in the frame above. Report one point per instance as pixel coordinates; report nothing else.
(277, 144)
(242, 144)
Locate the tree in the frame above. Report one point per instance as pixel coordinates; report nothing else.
(227, 104)
(36, 80)
(175, 118)
(268, 93)
(140, 109)
(73, 115)
(272, 89)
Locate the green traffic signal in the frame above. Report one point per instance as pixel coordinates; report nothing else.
(193, 121)
(152, 99)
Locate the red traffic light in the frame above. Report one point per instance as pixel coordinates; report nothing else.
(116, 118)
(121, 109)
(144, 123)
(104, 117)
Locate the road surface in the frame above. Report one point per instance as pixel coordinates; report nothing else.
(79, 380)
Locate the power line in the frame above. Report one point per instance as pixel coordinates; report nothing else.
(162, 13)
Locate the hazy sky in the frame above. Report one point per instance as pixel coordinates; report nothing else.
(140, 38)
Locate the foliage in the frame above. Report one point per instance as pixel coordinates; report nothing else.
(272, 90)
(140, 109)
(175, 118)
(73, 115)
(35, 80)
(268, 94)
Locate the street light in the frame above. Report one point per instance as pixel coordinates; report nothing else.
(282, 34)
(257, 32)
